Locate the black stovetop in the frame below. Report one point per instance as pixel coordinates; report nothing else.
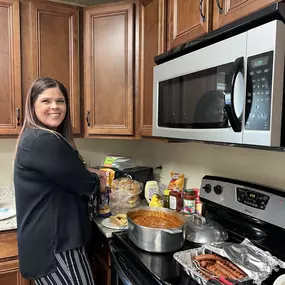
(163, 267)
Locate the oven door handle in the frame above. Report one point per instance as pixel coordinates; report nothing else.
(229, 105)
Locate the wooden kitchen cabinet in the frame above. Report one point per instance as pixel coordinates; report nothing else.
(10, 68)
(231, 10)
(152, 23)
(187, 20)
(102, 273)
(10, 274)
(9, 263)
(109, 69)
(100, 258)
(50, 47)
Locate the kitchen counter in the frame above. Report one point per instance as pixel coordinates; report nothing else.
(7, 200)
(106, 231)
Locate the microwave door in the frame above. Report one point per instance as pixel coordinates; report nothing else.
(199, 96)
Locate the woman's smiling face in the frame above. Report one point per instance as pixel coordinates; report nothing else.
(50, 108)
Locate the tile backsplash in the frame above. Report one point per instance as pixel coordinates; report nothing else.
(193, 159)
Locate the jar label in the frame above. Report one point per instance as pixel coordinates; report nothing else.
(172, 203)
(189, 206)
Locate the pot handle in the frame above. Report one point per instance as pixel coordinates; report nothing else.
(172, 231)
(197, 217)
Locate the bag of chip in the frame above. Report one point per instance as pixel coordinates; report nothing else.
(176, 182)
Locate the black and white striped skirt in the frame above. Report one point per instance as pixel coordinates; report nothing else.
(72, 269)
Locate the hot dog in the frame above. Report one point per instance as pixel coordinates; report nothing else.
(208, 257)
(204, 263)
(216, 271)
(232, 266)
(235, 273)
(225, 271)
(206, 260)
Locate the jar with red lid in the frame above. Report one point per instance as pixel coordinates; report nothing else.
(175, 200)
(189, 200)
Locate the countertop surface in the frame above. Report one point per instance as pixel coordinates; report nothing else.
(7, 200)
(106, 231)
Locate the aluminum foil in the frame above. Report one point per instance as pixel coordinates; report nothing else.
(255, 262)
(185, 258)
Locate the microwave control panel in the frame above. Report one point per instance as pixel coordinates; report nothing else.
(259, 83)
(252, 198)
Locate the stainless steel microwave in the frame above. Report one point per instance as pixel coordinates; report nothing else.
(230, 91)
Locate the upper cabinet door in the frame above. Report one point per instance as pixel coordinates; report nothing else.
(10, 68)
(108, 69)
(51, 48)
(187, 19)
(227, 11)
(152, 42)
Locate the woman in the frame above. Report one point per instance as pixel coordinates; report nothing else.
(52, 187)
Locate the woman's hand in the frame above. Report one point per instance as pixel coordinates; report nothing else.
(102, 176)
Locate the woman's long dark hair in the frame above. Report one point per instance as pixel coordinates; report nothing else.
(31, 120)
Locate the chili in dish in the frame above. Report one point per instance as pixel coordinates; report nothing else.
(157, 220)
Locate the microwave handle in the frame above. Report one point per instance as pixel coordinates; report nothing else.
(230, 109)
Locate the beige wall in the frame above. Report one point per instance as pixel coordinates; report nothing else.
(194, 159)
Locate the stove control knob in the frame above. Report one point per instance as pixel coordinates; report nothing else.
(218, 189)
(207, 188)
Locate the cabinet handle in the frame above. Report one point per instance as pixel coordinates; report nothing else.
(201, 12)
(221, 10)
(88, 119)
(18, 116)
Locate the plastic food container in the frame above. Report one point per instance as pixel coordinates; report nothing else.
(124, 194)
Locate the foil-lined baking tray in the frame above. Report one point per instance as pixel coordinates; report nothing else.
(257, 263)
(186, 257)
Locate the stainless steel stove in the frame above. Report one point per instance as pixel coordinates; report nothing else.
(246, 210)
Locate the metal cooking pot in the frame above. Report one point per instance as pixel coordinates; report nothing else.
(156, 239)
(201, 231)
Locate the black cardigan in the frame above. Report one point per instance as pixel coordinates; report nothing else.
(51, 188)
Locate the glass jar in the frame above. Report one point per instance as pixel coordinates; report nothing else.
(166, 198)
(175, 198)
(189, 200)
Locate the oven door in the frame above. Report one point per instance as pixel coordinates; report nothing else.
(201, 95)
(126, 271)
